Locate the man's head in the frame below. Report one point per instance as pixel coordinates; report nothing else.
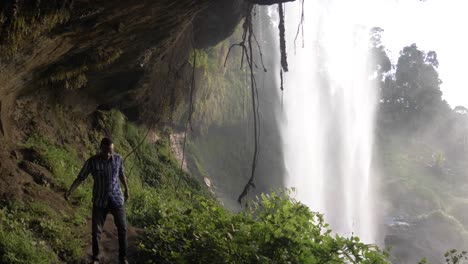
(107, 147)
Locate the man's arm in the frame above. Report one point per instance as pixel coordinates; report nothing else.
(123, 179)
(81, 177)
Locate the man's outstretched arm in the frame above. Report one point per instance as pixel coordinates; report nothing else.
(81, 177)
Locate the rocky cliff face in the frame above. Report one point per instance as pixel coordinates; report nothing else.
(64, 61)
(84, 56)
(63, 66)
(104, 53)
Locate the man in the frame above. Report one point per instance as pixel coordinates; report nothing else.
(107, 168)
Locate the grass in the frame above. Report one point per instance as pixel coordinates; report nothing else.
(59, 231)
(62, 161)
(18, 245)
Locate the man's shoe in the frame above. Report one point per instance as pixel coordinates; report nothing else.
(123, 261)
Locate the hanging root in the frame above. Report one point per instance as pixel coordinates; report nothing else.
(281, 80)
(139, 144)
(300, 27)
(247, 53)
(284, 58)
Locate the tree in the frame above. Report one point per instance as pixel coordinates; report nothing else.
(382, 63)
(412, 94)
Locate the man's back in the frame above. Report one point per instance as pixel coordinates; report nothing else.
(106, 173)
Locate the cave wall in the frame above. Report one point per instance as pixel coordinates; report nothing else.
(118, 54)
(134, 57)
(100, 55)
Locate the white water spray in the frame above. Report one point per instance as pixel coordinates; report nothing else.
(329, 106)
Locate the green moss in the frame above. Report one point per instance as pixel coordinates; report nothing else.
(224, 96)
(104, 57)
(202, 59)
(70, 78)
(72, 74)
(31, 24)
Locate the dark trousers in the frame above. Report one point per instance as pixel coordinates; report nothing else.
(99, 217)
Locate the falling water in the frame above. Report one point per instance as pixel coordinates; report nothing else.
(329, 105)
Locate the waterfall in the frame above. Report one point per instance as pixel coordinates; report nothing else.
(329, 105)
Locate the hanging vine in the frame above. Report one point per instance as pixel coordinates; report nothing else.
(282, 30)
(246, 46)
(300, 27)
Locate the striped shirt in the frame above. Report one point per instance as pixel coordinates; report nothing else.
(106, 172)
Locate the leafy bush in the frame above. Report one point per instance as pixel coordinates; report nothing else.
(276, 229)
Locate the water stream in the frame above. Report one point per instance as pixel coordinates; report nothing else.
(329, 107)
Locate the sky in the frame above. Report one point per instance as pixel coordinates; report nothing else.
(434, 25)
(438, 25)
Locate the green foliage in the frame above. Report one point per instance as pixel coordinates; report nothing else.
(411, 98)
(224, 97)
(153, 164)
(151, 168)
(455, 257)
(60, 231)
(275, 229)
(18, 244)
(421, 145)
(183, 222)
(452, 256)
(202, 59)
(382, 63)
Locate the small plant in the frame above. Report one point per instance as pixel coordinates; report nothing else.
(455, 257)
